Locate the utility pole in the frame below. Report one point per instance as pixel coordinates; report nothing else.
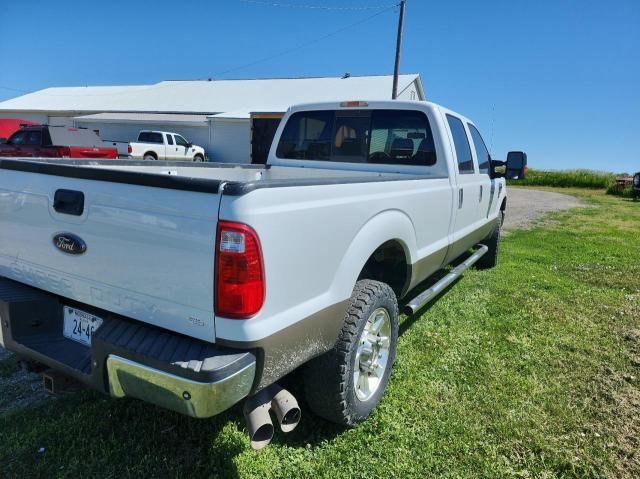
(396, 69)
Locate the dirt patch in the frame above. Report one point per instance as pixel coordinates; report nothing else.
(19, 389)
(526, 206)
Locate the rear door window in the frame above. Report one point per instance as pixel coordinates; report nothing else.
(461, 145)
(481, 150)
(34, 138)
(169, 139)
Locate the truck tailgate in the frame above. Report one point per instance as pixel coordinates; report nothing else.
(149, 246)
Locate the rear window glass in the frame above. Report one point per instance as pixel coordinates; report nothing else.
(393, 137)
(150, 137)
(169, 139)
(64, 136)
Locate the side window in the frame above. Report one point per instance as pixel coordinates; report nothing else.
(18, 138)
(169, 139)
(461, 144)
(181, 141)
(481, 150)
(34, 138)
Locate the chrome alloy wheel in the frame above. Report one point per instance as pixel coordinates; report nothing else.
(372, 354)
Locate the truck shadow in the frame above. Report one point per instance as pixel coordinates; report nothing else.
(88, 435)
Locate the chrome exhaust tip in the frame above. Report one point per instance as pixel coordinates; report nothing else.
(287, 409)
(257, 414)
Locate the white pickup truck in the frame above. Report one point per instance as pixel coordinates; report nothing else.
(164, 145)
(196, 286)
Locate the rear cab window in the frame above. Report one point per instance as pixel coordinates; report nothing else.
(385, 137)
(461, 145)
(169, 139)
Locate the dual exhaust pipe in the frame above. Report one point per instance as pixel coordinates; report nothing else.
(257, 414)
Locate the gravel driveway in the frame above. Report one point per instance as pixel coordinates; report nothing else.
(524, 206)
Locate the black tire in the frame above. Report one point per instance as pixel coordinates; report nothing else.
(490, 258)
(329, 379)
(149, 157)
(198, 158)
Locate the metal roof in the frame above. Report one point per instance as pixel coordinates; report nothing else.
(208, 97)
(164, 118)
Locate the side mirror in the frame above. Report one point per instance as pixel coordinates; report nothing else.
(516, 165)
(498, 169)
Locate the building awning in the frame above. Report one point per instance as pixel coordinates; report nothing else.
(246, 114)
(146, 118)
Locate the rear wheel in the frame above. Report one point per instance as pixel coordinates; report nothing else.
(490, 258)
(150, 157)
(346, 384)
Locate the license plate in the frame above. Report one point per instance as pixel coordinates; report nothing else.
(80, 325)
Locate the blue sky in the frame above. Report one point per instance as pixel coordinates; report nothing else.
(559, 79)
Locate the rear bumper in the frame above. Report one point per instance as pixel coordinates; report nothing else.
(126, 357)
(192, 398)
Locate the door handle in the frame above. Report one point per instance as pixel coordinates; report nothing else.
(481, 188)
(69, 202)
(460, 198)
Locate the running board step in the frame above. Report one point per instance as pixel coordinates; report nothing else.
(423, 298)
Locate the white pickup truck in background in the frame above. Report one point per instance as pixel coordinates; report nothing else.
(164, 145)
(201, 288)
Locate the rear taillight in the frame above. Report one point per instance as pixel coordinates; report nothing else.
(64, 151)
(129, 149)
(240, 284)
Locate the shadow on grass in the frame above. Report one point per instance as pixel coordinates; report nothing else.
(88, 435)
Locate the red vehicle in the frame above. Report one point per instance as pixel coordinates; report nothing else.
(8, 126)
(45, 141)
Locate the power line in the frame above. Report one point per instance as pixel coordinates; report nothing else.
(311, 42)
(316, 7)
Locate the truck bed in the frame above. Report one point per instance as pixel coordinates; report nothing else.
(134, 218)
(239, 178)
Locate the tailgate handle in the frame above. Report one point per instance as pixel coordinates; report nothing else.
(69, 202)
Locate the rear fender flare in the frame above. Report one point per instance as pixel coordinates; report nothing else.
(386, 226)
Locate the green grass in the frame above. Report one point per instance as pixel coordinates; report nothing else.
(8, 367)
(567, 179)
(529, 370)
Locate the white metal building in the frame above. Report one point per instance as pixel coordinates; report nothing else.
(229, 118)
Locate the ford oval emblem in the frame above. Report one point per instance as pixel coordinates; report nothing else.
(69, 243)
